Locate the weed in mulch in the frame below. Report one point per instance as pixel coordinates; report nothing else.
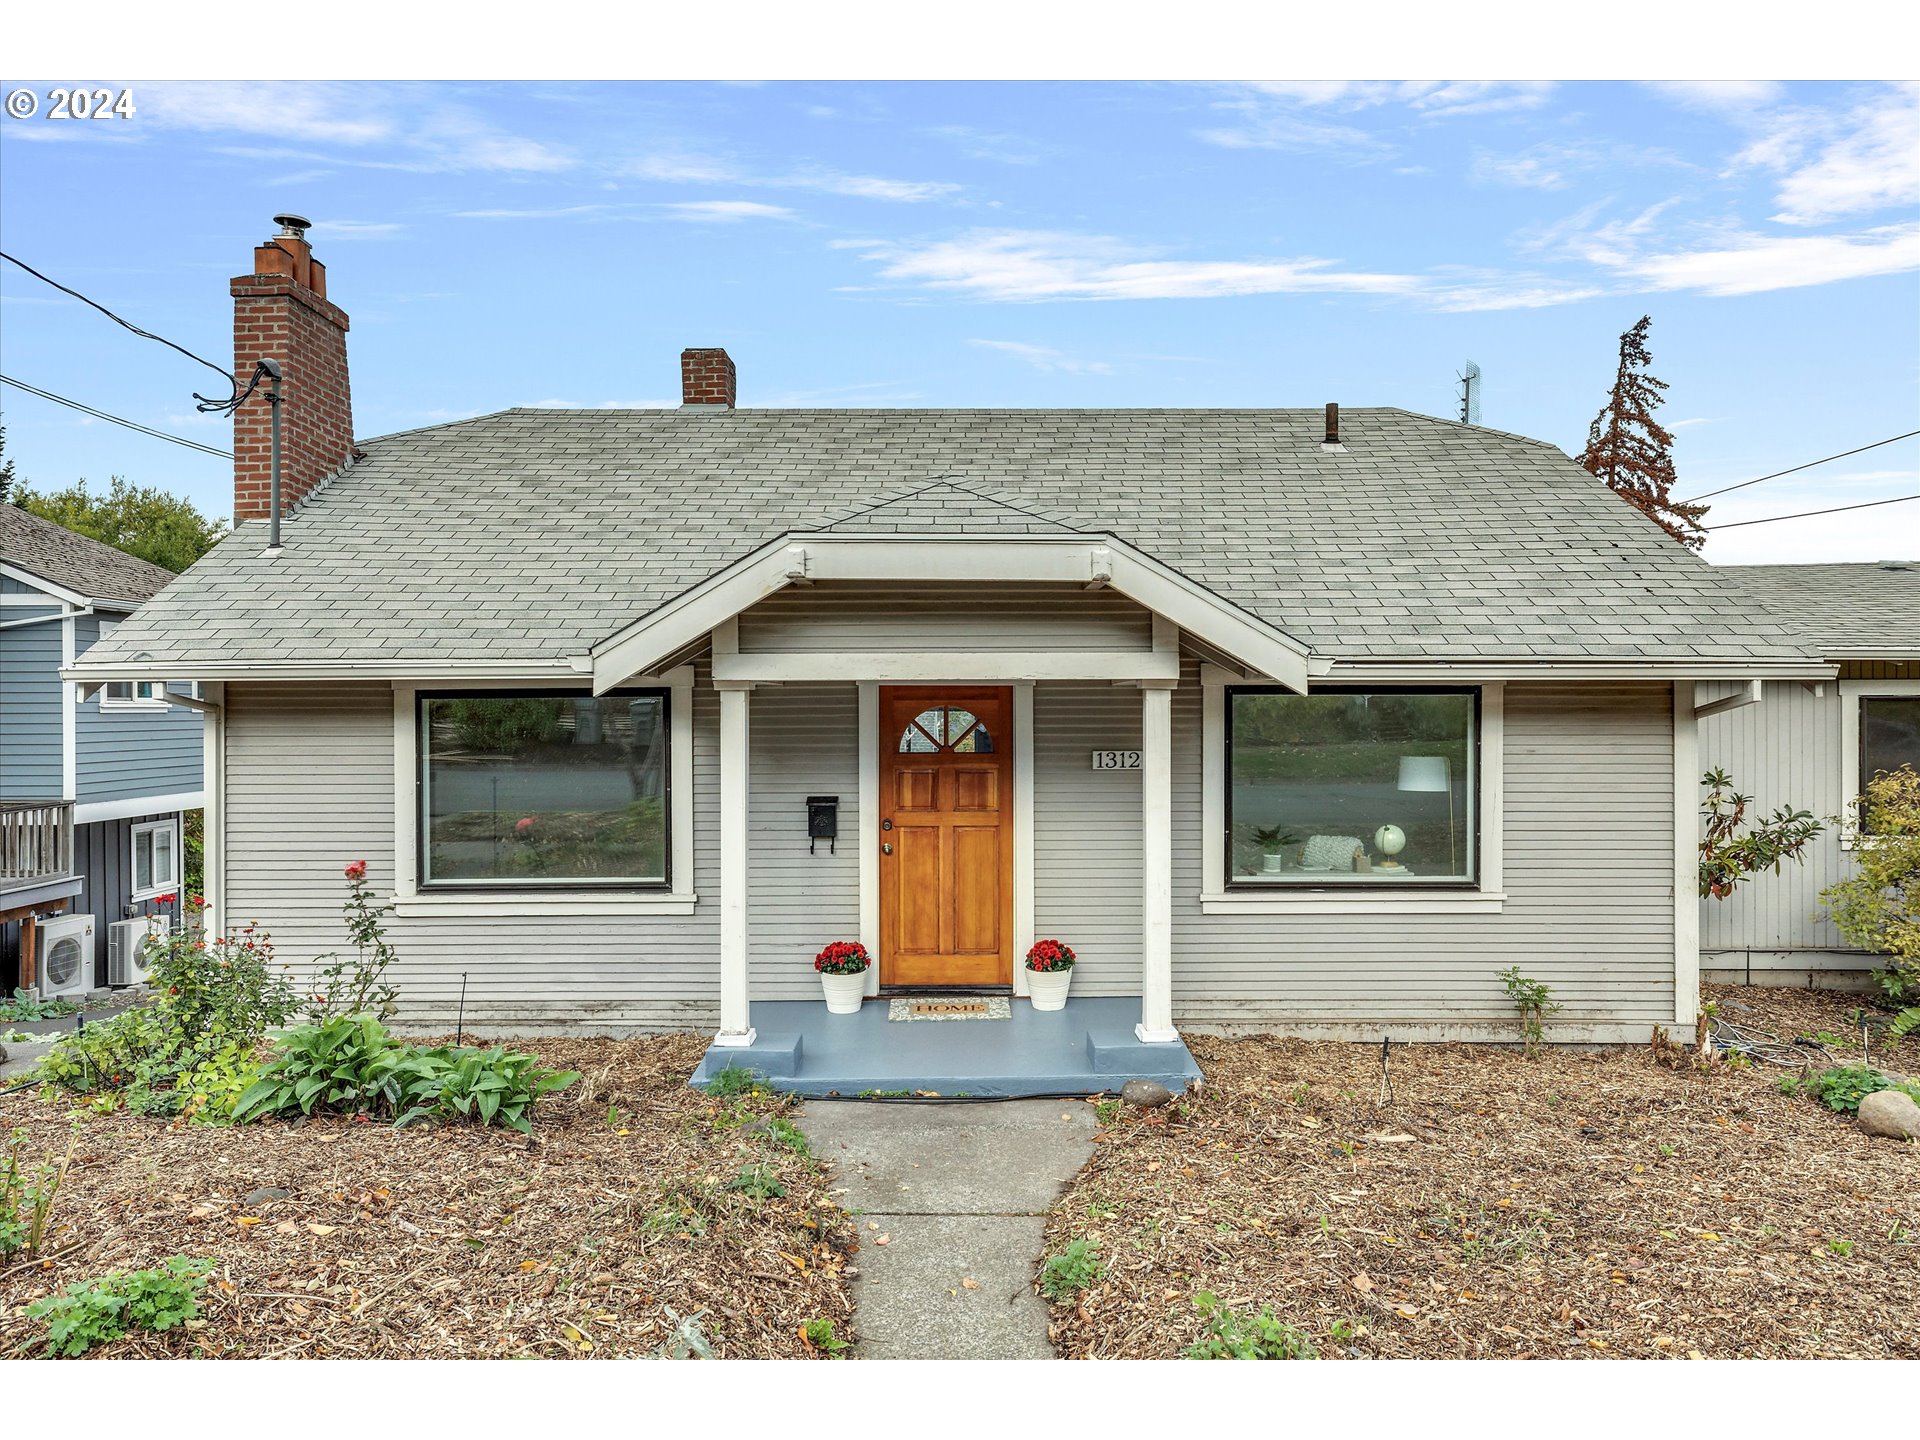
(611, 1231)
(1578, 1204)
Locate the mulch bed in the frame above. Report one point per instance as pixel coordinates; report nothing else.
(594, 1239)
(1574, 1204)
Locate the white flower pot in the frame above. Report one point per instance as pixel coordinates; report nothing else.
(1274, 862)
(844, 992)
(1048, 988)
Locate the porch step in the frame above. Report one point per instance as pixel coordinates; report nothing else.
(1087, 1047)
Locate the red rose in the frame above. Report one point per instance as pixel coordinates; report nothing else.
(523, 825)
(357, 870)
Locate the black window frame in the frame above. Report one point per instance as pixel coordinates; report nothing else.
(421, 821)
(1861, 776)
(1475, 796)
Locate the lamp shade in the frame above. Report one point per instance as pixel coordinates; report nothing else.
(1424, 772)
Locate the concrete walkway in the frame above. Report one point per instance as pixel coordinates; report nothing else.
(959, 1193)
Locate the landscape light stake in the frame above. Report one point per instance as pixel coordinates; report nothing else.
(460, 1019)
(1386, 1078)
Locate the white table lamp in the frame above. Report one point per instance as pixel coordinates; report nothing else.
(1431, 774)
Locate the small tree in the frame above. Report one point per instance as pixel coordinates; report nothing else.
(1728, 857)
(142, 520)
(1878, 908)
(1628, 448)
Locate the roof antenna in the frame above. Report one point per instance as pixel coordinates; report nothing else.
(1470, 394)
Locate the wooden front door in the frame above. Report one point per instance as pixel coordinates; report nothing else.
(946, 835)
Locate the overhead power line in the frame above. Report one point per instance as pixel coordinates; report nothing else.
(116, 419)
(1804, 514)
(228, 405)
(1798, 468)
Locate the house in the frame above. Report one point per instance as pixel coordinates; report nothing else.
(91, 792)
(1813, 746)
(1282, 719)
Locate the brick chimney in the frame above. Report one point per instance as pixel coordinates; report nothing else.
(281, 313)
(706, 378)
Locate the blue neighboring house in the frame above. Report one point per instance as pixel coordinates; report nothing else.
(93, 787)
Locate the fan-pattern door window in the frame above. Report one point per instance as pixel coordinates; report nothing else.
(946, 728)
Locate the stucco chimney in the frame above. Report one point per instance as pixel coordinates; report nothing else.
(281, 313)
(706, 378)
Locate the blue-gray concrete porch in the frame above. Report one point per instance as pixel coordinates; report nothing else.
(1089, 1046)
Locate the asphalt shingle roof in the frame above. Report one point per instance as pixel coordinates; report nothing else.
(1841, 607)
(76, 562)
(531, 534)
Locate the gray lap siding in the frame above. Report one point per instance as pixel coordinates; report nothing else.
(1588, 856)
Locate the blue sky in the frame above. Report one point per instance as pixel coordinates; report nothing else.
(1013, 244)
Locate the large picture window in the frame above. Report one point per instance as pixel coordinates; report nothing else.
(1353, 788)
(529, 789)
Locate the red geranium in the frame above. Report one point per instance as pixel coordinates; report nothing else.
(166, 899)
(1049, 955)
(842, 957)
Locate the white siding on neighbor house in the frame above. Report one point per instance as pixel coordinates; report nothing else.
(1589, 875)
(802, 740)
(1086, 832)
(310, 777)
(1785, 751)
(840, 616)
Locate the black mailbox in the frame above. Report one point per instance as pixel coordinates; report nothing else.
(823, 821)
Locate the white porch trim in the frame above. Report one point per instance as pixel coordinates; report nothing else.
(687, 617)
(1023, 877)
(868, 828)
(1156, 865)
(213, 824)
(736, 1028)
(95, 811)
(934, 667)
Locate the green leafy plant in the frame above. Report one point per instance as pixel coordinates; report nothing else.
(735, 1080)
(25, 1005)
(350, 1064)
(758, 1182)
(28, 1189)
(1272, 839)
(1728, 858)
(1245, 1335)
(1904, 1024)
(1075, 1268)
(1534, 1001)
(1878, 906)
(818, 1333)
(1845, 1086)
(359, 985)
(784, 1133)
(92, 1312)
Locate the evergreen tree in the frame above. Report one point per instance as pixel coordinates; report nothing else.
(1628, 448)
(8, 480)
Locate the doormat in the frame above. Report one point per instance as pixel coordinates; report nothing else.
(949, 1007)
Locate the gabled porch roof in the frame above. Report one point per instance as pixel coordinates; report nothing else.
(1093, 561)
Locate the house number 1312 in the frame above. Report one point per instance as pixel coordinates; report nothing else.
(1116, 759)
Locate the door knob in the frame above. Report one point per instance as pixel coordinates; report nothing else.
(886, 847)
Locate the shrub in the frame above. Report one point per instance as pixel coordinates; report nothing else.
(92, 1312)
(359, 986)
(1878, 907)
(1534, 1001)
(25, 1005)
(1845, 1086)
(1243, 1335)
(1075, 1268)
(27, 1193)
(1727, 857)
(350, 1064)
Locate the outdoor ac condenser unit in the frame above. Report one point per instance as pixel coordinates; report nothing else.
(128, 955)
(64, 963)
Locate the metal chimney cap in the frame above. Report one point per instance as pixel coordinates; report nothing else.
(293, 226)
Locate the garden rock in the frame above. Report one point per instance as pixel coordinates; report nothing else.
(266, 1193)
(1891, 1114)
(1147, 1094)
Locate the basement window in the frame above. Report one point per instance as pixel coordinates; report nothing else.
(156, 859)
(522, 788)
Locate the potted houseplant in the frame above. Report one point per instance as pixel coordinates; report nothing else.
(1273, 842)
(843, 975)
(1049, 972)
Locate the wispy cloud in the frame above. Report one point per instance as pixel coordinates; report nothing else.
(1428, 97)
(726, 212)
(978, 144)
(674, 167)
(1746, 264)
(1045, 358)
(1292, 114)
(555, 212)
(1030, 266)
(1718, 94)
(356, 229)
(1869, 160)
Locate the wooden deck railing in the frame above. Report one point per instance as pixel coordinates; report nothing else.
(36, 841)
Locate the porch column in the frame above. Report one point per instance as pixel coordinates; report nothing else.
(1156, 862)
(735, 1027)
